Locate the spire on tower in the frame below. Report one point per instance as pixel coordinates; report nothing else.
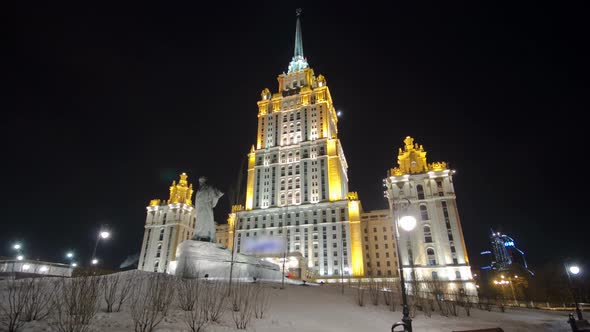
(298, 41)
(298, 62)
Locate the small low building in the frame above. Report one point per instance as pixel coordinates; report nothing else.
(18, 269)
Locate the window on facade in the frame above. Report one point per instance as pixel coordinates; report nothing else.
(439, 187)
(420, 190)
(427, 234)
(431, 257)
(423, 212)
(458, 275)
(434, 275)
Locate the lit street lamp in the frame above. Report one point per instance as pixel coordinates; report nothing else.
(16, 246)
(20, 257)
(102, 234)
(575, 270)
(407, 223)
(70, 254)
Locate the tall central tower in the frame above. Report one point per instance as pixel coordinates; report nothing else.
(297, 185)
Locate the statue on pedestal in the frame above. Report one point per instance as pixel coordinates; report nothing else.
(205, 200)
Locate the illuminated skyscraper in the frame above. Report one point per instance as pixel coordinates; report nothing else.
(297, 185)
(167, 224)
(435, 249)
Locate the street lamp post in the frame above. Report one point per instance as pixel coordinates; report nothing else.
(102, 234)
(70, 257)
(575, 270)
(407, 223)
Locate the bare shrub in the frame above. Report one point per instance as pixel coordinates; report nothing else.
(38, 306)
(151, 300)
(13, 304)
(76, 303)
(395, 295)
(501, 304)
(411, 307)
(425, 305)
(235, 293)
(388, 294)
(436, 289)
(452, 308)
(463, 300)
(360, 294)
(196, 318)
(245, 305)
(188, 291)
(116, 290)
(373, 287)
(215, 299)
(486, 304)
(261, 301)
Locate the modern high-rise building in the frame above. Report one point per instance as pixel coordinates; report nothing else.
(297, 184)
(435, 248)
(167, 224)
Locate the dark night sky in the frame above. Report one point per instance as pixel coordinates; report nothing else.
(103, 107)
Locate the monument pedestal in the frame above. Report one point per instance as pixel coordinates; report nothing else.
(198, 258)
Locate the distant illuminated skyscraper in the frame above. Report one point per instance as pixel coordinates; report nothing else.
(297, 183)
(167, 224)
(504, 253)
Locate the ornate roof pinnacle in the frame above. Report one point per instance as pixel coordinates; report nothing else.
(299, 61)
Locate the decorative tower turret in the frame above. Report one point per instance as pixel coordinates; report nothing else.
(167, 224)
(435, 249)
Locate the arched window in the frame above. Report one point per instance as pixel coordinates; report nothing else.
(431, 258)
(156, 266)
(290, 184)
(162, 234)
(423, 212)
(427, 234)
(420, 190)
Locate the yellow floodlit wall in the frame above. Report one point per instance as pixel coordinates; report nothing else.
(250, 181)
(356, 243)
(334, 167)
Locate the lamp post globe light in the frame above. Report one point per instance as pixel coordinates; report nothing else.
(573, 269)
(103, 234)
(407, 222)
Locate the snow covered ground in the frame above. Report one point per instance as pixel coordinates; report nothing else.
(324, 308)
